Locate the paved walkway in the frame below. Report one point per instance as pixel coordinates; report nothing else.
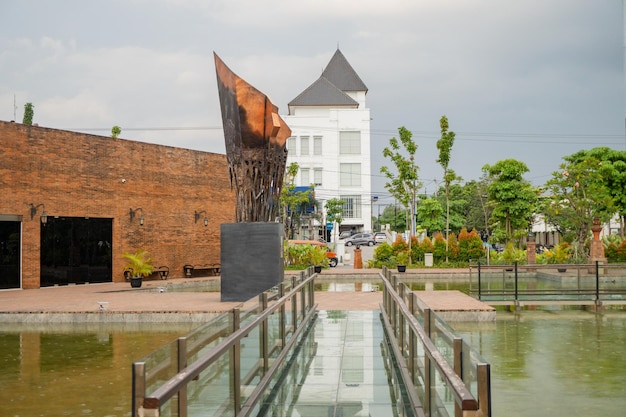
(121, 298)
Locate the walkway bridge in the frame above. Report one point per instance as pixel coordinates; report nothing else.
(279, 355)
(566, 284)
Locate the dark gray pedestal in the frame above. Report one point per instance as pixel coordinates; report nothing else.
(251, 259)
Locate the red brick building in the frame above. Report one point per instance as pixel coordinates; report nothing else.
(88, 186)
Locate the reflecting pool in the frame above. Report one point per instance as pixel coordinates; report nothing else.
(74, 369)
(544, 363)
(558, 363)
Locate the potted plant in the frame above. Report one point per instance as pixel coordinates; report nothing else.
(318, 258)
(559, 255)
(402, 259)
(139, 266)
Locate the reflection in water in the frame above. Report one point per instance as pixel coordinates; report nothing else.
(554, 363)
(544, 363)
(65, 370)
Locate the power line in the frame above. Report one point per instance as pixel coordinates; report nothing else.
(461, 136)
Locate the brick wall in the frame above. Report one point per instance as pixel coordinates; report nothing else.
(81, 175)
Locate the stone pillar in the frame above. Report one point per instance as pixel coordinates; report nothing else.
(531, 249)
(358, 260)
(596, 252)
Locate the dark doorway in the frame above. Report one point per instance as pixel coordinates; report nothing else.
(76, 250)
(10, 244)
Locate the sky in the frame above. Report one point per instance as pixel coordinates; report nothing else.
(532, 80)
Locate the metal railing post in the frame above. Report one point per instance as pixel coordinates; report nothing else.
(515, 267)
(479, 284)
(427, 366)
(457, 344)
(182, 364)
(303, 302)
(282, 320)
(400, 324)
(235, 366)
(484, 388)
(263, 336)
(412, 340)
(597, 282)
(139, 386)
(294, 306)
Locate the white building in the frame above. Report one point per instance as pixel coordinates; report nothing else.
(330, 141)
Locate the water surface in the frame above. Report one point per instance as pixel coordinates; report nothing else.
(558, 363)
(74, 370)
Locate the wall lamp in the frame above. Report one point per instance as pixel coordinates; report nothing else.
(33, 211)
(133, 213)
(198, 214)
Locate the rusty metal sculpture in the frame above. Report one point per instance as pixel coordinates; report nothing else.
(255, 137)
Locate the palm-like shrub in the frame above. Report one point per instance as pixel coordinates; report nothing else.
(139, 263)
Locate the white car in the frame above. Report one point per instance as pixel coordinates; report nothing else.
(380, 237)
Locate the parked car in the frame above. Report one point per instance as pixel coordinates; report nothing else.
(345, 234)
(332, 256)
(380, 237)
(360, 239)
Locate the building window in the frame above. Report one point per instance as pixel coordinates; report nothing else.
(317, 145)
(352, 206)
(350, 175)
(304, 145)
(305, 177)
(291, 145)
(350, 143)
(317, 177)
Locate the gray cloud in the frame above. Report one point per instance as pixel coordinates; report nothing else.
(531, 80)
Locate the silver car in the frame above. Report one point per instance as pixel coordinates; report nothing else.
(360, 239)
(380, 237)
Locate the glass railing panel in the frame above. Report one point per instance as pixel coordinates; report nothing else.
(442, 336)
(442, 399)
(211, 394)
(274, 341)
(161, 365)
(209, 335)
(250, 361)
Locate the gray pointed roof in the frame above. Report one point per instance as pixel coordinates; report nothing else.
(329, 90)
(340, 72)
(323, 93)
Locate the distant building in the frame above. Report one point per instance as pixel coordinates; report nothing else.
(73, 203)
(330, 141)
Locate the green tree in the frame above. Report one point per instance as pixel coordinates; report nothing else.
(514, 199)
(612, 167)
(475, 209)
(395, 217)
(334, 211)
(29, 114)
(444, 144)
(115, 131)
(404, 184)
(292, 201)
(430, 214)
(577, 193)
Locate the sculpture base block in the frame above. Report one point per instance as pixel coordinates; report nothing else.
(251, 259)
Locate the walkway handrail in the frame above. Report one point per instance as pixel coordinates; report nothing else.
(502, 283)
(151, 403)
(399, 316)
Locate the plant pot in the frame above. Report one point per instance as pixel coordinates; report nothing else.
(188, 269)
(135, 282)
(317, 268)
(561, 269)
(401, 268)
